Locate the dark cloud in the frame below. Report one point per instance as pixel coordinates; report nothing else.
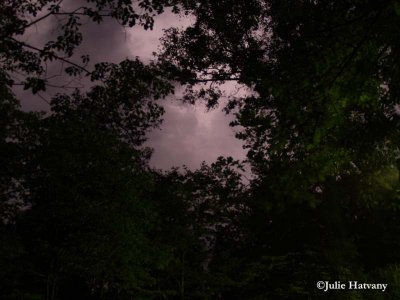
(189, 134)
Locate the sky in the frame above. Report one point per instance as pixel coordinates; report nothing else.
(189, 134)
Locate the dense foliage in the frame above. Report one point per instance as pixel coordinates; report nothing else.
(83, 216)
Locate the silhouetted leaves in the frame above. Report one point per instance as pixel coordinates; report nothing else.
(85, 217)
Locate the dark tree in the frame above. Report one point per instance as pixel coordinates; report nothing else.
(321, 128)
(83, 215)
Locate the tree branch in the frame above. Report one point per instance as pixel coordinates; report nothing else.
(43, 17)
(53, 55)
(215, 79)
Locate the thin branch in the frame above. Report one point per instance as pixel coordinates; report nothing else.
(353, 53)
(42, 18)
(349, 59)
(43, 98)
(79, 14)
(53, 55)
(214, 79)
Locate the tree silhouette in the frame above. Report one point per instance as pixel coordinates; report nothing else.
(85, 217)
(321, 129)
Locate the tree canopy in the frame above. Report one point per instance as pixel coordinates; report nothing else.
(85, 217)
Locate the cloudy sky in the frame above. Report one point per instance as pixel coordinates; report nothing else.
(189, 134)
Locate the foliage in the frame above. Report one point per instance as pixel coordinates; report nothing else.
(321, 129)
(85, 217)
(30, 61)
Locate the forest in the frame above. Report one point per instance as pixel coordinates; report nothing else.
(83, 215)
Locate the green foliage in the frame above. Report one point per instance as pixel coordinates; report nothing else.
(321, 129)
(84, 217)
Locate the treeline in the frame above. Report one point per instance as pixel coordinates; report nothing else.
(83, 216)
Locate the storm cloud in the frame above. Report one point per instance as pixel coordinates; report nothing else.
(189, 134)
